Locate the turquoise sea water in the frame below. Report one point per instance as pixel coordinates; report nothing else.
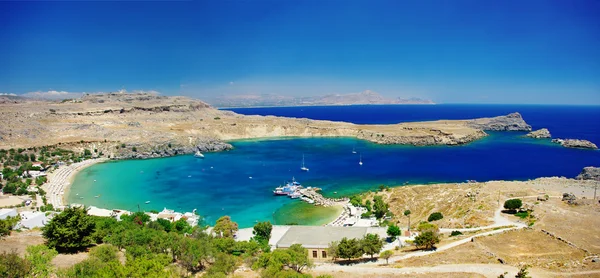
(239, 182)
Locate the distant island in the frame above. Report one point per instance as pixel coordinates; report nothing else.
(269, 100)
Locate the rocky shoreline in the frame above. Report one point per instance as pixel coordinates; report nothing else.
(126, 126)
(575, 143)
(168, 151)
(539, 134)
(589, 173)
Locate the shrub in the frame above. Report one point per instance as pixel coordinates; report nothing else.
(393, 231)
(455, 233)
(427, 240)
(70, 230)
(522, 214)
(435, 216)
(513, 204)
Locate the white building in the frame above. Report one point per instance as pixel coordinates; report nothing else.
(30, 220)
(4, 213)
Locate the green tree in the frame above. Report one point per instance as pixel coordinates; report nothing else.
(225, 227)
(299, 258)
(224, 263)
(356, 201)
(393, 231)
(6, 225)
(70, 230)
(262, 231)
(275, 263)
(39, 257)
(427, 240)
(332, 250)
(407, 214)
(380, 208)
(349, 248)
(13, 266)
(513, 204)
(435, 216)
(368, 205)
(428, 227)
(193, 254)
(166, 224)
(387, 254)
(182, 226)
(105, 253)
(371, 244)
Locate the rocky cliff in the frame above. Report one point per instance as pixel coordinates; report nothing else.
(576, 143)
(142, 125)
(540, 133)
(589, 173)
(510, 122)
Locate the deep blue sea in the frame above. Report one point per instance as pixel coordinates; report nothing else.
(239, 182)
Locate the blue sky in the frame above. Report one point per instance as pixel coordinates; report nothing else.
(448, 51)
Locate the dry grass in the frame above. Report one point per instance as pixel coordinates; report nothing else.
(533, 248)
(344, 274)
(579, 225)
(19, 241)
(468, 253)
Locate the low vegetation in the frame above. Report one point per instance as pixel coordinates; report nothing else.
(354, 248)
(139, 247)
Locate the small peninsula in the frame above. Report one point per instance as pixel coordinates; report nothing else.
(575, 143)
(141, 125)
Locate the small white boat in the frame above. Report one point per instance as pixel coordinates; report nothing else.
(198, 154)
(353, 150)
(147, 202)
(303, 168)
(360, 161)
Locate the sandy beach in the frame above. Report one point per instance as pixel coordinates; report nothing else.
(61, 179)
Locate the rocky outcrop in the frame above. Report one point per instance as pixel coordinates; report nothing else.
(589, 173)
(576, 143)
(143, 151)
(510, 122)
(540, 133)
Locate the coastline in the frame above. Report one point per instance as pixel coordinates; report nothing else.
(60, 181)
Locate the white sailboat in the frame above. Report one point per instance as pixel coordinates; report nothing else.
(360, 161)
(198, 154)
(353, 150)
(303, 168)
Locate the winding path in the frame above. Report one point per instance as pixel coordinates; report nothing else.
(488, 270)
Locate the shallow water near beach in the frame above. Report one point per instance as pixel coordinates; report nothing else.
(239, 183)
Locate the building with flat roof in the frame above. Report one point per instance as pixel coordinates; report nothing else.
(317, 238)
(4, 213)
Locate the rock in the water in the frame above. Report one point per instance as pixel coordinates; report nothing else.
(510, 122)
(576, 143)
(540, 133)
(589, 173)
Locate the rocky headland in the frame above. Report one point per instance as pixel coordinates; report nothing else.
(122, 125)
(575, 143)
(589, 173)
(510, 122)
(539, 134)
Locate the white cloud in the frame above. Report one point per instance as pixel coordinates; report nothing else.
(231, 83)
(7, 94)
(53, 95)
